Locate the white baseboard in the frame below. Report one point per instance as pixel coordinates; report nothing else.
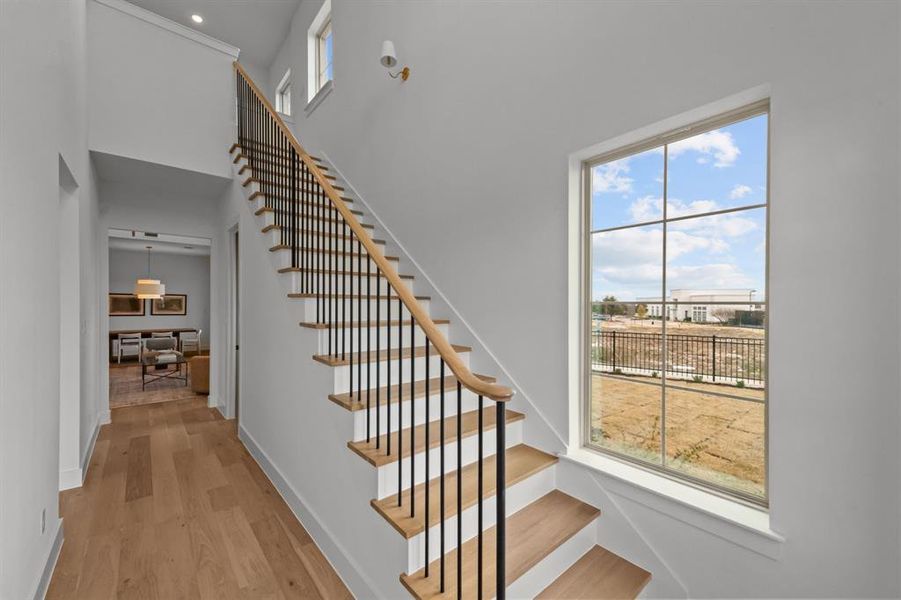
(73, 478)
(105, 417)
(40, 588)
(346, 567)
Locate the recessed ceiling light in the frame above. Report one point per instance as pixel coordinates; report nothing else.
(197, 18)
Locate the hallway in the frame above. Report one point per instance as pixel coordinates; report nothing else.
(174, 507)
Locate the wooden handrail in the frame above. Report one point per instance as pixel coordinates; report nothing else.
(499, 393)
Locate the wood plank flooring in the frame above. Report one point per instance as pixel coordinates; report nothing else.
(173, 506)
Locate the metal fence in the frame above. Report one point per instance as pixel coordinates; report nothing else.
(708, 357)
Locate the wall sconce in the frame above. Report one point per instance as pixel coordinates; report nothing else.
(389, 59)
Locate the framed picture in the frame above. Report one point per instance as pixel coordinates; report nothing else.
(170, 304)
(125, 305)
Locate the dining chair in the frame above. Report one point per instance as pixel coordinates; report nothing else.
(190, 340)
(162, 334)
(130, 344)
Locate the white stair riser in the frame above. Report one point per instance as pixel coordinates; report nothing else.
(282, 258)
(517, 496)
(338, 283)
(340, 310)
(342, 375)
(552, 566)
(387, 474)
(380, 415)
(308, 240)
(378, 337)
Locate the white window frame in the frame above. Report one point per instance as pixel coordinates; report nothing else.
(317, 89)
(283, 95)
(742, 523)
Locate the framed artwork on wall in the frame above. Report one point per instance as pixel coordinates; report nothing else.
(170, 304)
(125, 305)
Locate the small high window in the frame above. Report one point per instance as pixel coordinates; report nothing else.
(324, 55)
(320, 50)
(283, 95)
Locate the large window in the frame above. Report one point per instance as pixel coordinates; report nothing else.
(676, 318)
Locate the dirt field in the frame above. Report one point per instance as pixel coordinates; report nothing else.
(713, 438)
(678, 327)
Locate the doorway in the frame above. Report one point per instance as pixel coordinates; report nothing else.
(235, 323)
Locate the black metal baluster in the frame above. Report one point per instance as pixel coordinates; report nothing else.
(501, 502)
(368, 342)
(378, 360)
(441, 500)
(343, 268)
(388, 329)
(293, 232)
(400, 398)
(347, 280)
(459, 492)
(479, 486)
(427, 449)
(413, 418)
(360, 322)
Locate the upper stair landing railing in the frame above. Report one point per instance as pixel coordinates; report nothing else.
(328, 249)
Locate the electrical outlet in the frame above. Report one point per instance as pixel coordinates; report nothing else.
(43, 520)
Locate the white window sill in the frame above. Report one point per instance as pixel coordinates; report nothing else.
(734, 521)
(319, 97)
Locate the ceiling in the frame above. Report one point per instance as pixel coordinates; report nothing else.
(137, 241)
(156, 177)
(257, 27)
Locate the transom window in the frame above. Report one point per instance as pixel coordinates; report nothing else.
(676, 263)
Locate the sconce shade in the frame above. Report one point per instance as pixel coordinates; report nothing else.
(149, 289)
(389, 57)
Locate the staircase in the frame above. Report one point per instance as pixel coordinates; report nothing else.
(449, 457)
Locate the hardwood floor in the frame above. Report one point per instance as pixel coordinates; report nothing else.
(173, 506)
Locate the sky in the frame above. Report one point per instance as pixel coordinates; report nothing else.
(720, 169)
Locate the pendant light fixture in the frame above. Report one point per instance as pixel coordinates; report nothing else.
(149, 289)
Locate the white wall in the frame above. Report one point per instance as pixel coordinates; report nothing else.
(156, 95)
(43, 118)
(474, 148)
(181, 273)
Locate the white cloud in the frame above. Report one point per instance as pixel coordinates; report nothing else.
(711, 276)
(612, 177)
(717, 143)
(647, 208)
(739, 191)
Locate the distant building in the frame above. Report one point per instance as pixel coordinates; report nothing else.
(700, 306)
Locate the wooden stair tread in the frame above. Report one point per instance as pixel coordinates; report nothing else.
(522, 462)
(343, 273)
(337, 361)
(598, 575)
(257, 193)
(380, 395)
(301, 218)
(278, 247)
(469, 427)
(254, 179)
(316, 233)
(282, 169)
(315, 205)
(532, 534)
